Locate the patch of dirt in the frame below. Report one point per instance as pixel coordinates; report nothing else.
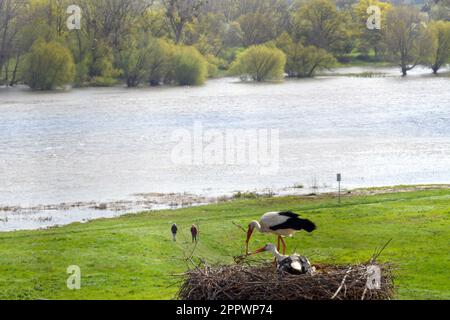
(147, 201)
(398, 189)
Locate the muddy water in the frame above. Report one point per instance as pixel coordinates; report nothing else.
(100, 147)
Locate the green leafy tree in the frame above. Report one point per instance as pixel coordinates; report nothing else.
(370, 39)
(81, 72)
(180, 13)
(439, 9)
(154, 22)
(101, 67)
(319, 23)
(407, 43)
(14, 15)
(148, 59)
(439, 33)
(257, 28)
(303, 61)
(207, 34)
(134, 60)
(49, 65)
(107, 26)
(233, 36)
(189, 67)
(214, 64)
(260, 63)
(160, 53)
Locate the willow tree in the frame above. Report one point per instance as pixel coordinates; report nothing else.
(180, 13)
(321, 24)
(407, 43)
(303, 61)
(439, 33)
(189, 67)
(10, 11)
(49, 65)
(260, 63)
(371, 38)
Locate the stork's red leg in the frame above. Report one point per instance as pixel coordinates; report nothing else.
(279, 244)
(284, 245)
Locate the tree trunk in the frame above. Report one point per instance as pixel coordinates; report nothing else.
(14, 75)
(132, 81)
(404, 71)
(154, 83)
(435, 69)
(6, 72)
(178, 33)
(311, 72)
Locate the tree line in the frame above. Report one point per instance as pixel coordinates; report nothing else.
(184, 42)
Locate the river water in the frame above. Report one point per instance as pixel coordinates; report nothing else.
(112, 145)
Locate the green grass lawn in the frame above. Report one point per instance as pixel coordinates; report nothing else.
(133, 257)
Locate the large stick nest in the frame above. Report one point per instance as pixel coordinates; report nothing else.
(263, 282)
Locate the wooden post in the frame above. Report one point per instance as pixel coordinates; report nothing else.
(339, 179)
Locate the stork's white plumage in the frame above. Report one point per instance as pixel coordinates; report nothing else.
(293, 264)
(282, 224)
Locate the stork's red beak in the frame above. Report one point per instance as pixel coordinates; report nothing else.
(260, 250)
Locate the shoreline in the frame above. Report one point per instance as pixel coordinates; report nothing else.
(85, 212)
(367, 71)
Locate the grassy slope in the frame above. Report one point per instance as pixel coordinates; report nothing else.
(132, 257)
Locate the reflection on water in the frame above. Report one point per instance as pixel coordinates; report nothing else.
(106, 144)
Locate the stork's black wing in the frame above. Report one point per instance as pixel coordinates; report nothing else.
(289, 214)
(295, 222)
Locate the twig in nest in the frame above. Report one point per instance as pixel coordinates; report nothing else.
(342, 283)
(193, 251)
(239, 226)
(240, 259)
(377, 254)
(364, 293)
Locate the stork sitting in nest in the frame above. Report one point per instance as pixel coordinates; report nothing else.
(293, 264)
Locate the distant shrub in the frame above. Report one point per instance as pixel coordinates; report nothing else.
(48, 65)
(213, 70)
(145, 59)
(245, 195)
(101, 70)
(303, 61)
(81, 73)
(189, 66)
(133, 60)
(160, 53)
(260, 63)
(103, 81)
(214, 64)
(230, 55)
(252, 195)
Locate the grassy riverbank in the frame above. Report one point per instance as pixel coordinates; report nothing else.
(133, 257)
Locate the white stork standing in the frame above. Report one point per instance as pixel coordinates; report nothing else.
(293, 264)
(282, 224)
